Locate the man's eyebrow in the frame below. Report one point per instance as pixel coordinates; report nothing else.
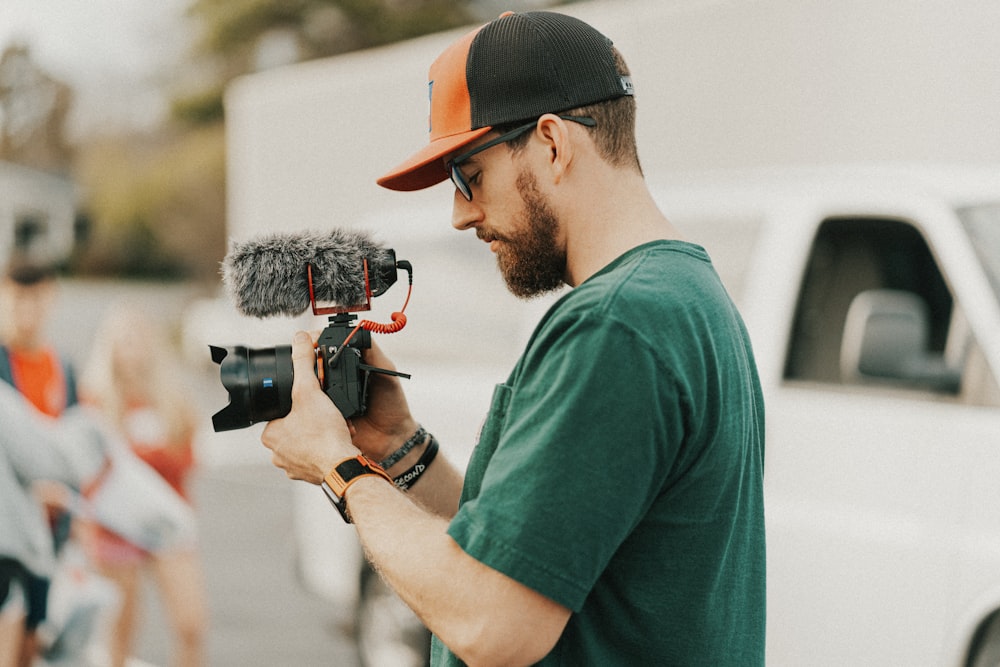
(471, 160)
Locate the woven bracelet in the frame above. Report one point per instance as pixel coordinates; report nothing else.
(406, 480)
(394, 458)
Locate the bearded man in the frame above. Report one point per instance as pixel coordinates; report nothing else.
(612, 511)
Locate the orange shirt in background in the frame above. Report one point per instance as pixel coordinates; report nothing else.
(38, 375)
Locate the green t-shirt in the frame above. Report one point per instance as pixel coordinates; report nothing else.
(620, 470)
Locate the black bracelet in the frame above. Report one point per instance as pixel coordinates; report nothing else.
(414, 440)
(406, 480)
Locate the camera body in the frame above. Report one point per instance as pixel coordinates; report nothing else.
(259, 380)
(344, 376)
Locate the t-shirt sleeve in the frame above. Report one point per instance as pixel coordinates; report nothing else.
(592, 424)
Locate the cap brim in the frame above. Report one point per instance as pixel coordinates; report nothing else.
(424, 168)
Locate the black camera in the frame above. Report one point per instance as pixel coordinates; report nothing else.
(259, 380)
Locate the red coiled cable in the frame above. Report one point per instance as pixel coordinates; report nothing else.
(398, 321)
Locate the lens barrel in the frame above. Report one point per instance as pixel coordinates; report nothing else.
(259, 382)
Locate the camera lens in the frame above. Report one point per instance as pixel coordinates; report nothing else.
(259, 382)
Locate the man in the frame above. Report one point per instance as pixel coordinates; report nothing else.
(32, 366)
(612, 511)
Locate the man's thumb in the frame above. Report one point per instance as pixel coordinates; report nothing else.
(303, 359)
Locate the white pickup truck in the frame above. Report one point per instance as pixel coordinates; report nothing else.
(873, 299)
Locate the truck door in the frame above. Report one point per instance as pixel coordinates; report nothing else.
(877, 439)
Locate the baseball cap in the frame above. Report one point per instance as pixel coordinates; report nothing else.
(517, 67)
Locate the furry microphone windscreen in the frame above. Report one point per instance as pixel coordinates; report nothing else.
(268, 276)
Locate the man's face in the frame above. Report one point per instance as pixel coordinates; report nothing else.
(529, 255)
(524, 231)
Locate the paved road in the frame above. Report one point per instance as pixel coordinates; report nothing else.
(260, 615)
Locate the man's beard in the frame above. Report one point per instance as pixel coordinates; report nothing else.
(530, 259)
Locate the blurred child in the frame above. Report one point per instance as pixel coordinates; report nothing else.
(130, 377)
(31, 365)
(27, 360)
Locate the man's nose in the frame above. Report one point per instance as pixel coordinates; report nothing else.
(464, 213)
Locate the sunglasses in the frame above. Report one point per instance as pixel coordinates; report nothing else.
(458, 178)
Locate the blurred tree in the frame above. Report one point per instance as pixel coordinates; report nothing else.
(157, 200)
(159, 204)
(240, 36)
(33, 109)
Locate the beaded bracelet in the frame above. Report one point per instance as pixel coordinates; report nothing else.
(407, 479)
(414, 440)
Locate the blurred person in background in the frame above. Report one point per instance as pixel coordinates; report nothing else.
(31, 365)
(27, 360)
(133, 380)
(32, 448)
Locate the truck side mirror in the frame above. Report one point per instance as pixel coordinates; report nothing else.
(886, 337)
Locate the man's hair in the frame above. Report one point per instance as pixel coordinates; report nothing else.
(614, 132)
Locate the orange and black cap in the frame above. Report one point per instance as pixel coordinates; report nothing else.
(517, 67)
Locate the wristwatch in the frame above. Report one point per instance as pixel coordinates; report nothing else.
(346, 473)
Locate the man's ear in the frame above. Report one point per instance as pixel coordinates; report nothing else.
(558, 144)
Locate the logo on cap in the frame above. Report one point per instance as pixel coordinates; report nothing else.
(430, 115)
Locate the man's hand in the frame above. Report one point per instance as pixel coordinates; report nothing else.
(313, 437)
(387, 423)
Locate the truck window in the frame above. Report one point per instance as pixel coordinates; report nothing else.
(850, 256)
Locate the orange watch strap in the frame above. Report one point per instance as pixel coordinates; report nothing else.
(345, 473)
